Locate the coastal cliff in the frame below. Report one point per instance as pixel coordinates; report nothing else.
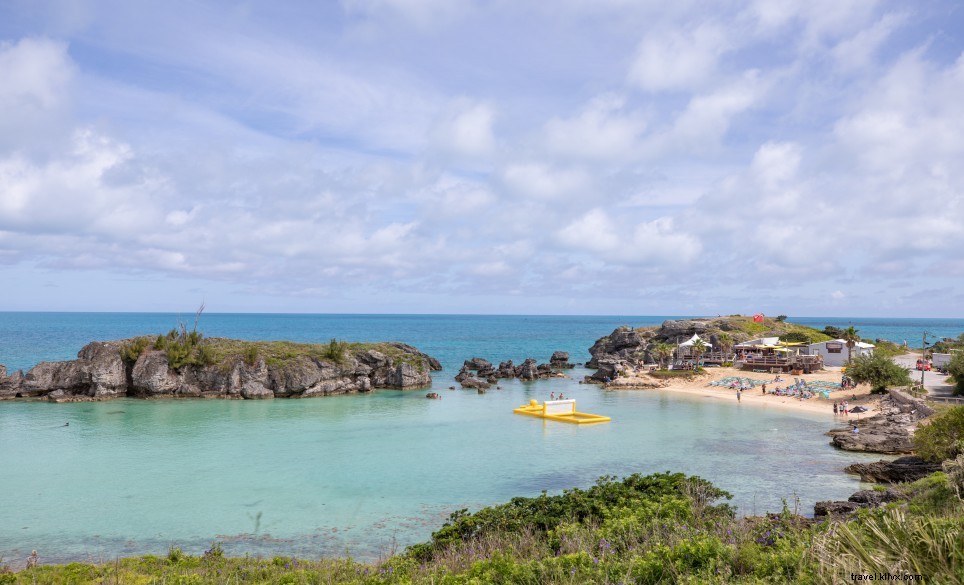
(170, 367)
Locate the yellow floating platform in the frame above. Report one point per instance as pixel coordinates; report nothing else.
(561, 411)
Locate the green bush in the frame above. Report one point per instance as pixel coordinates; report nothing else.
(795, 337)
(251, 355)
(336, 351)
(205, 355)
(943, 437)
(956, 370)
(133, 349)
(879, 371)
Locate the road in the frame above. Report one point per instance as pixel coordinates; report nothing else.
(934, 382)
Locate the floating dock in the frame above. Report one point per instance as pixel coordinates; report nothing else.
(561, 411)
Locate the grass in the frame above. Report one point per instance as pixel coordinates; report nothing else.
(183, 350)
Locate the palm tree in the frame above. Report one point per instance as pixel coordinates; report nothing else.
(851, 337)
(662, 351)
(726, 343)
(699, 347)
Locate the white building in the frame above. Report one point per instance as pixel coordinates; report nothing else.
(835, 351)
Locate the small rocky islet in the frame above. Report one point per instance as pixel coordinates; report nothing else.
(173, 367)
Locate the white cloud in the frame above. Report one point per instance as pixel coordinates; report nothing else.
(593, 232)
(468, 130)
(544, 182)
(603, 130)
(678, 59)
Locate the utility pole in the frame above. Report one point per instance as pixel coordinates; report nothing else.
(923, 352)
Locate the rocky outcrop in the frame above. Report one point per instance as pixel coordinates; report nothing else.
(622, 344)
(99, 373)
(476, 369)
(10, 385)
(861, 499)
(560, 360)
(900, 470)
(890, 432)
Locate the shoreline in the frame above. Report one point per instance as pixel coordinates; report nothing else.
(698, 386)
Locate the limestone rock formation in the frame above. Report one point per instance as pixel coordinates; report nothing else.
(100, 372)
(900, 470)
(890, 432)
(560, 360)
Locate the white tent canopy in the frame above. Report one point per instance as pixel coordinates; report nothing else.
(692, 340)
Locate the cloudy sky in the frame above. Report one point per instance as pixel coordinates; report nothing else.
(468, 156)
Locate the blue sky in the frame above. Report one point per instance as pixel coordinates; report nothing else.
(459, 156)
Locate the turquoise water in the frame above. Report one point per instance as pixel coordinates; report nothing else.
(361, 475)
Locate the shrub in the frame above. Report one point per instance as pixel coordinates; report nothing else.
(943, 437)
(878, 371)
(795, 337)
(205, 356)
(132, 350)
(956, 370)
(251, 354)
(336, 351)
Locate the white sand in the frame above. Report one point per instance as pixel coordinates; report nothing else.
(698, 387)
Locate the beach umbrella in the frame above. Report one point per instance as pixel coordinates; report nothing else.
(858, 410)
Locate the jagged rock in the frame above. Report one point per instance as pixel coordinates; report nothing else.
(12, 385)
(890, 432)
(622, 343)
(103, 363)
(528, 370)
(873, 441)
(506, 370)
(606, 371)
(473, 382)
(902, 469)
(821, 509)
(152, 376)
(874, 498)
(477, 363)
(405, 376)
(99, 372)
(463, 374)
(560, 360)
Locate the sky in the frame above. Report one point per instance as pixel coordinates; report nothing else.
(627, 157)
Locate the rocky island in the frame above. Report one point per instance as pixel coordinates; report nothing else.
(183, 365)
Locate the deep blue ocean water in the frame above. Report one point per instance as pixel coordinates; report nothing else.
(29, 338)
(359, 475)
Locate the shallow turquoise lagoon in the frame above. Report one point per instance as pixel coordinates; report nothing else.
(367, 474)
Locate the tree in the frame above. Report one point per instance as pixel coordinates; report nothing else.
(956, 369)
(878, 371)
(781, 318)
(699, 347)
(851, 337)
(726, 343)
(662, 351)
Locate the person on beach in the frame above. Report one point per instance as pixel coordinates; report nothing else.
(32, 560)
(738, 394)
(764, 389)
(552, 396)
(856, 430)
(835, 409)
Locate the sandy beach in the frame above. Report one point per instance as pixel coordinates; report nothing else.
(699, 386)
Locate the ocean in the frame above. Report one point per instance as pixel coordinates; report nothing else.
(366, 475)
